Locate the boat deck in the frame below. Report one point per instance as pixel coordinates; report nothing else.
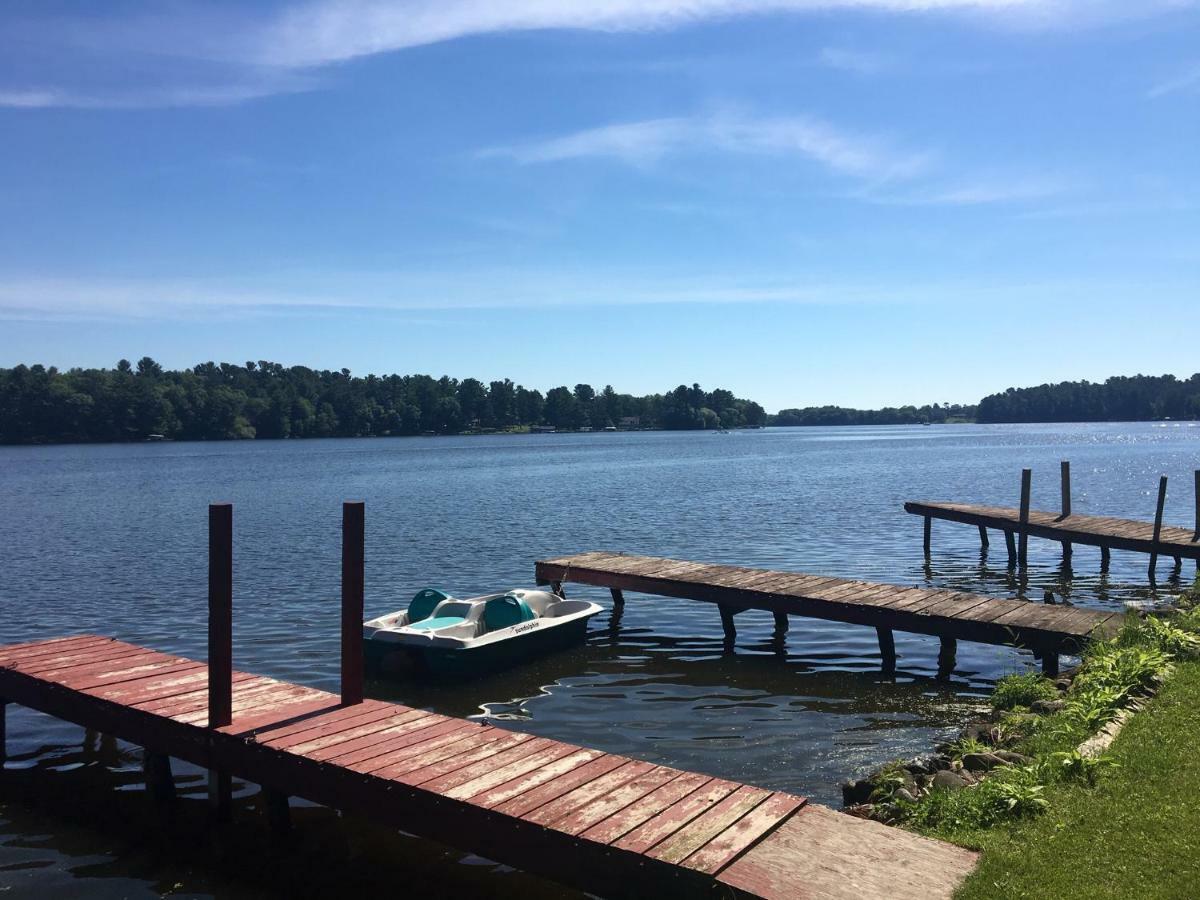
(601, 822)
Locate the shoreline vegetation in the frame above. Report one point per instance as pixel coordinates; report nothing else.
(265, 400)
(1082, 786)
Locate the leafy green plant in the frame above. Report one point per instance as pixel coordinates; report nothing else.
(1022, 690)
(964, 745)
(1074, 766)
(891, 778)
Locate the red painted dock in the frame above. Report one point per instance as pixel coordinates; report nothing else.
(604, 823)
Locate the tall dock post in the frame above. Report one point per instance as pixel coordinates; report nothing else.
(1026, 484)
(1065, 470)
(220, 643)
(1158, 517)
(353, 559)
(928, 534)
(3, 732)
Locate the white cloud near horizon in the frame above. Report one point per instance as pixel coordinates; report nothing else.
(81, 299)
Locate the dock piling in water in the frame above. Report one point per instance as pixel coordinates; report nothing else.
(353, 560)
(887, 650)
(220, 645)
(1158, 517)
(1026, 484)
(1065, 477)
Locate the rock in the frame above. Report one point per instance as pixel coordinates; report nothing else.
(981, 762)
(1012, 757)
(885, 813)
(949, 780)
(859, 810)
(940, 763)
(1047, 707)
(856, 792)
(906, 794)
(919, 765)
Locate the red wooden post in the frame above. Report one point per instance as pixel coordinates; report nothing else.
(353, 558)
(220, 614)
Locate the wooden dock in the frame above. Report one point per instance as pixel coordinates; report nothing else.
(604, 823)
(1048, 629)
(1068, 528)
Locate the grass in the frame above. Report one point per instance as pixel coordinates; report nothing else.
(1135, 833)
(1123, 825)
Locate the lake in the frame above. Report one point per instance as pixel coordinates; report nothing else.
(112, 539)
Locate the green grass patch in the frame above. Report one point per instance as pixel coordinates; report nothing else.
(1022, 690)
(1134, 832)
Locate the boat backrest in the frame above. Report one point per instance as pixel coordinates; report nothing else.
(506, 611)
(424, 603)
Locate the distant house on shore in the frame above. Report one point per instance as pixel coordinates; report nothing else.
(630, 422)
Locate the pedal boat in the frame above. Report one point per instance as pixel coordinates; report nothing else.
(442, 635)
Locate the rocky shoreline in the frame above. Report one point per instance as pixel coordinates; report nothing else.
(987, 744)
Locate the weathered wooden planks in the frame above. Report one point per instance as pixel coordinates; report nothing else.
(951, 615)
(602, 822)
(1096, 531)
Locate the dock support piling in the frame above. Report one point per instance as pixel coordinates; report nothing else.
(279, 813)
(159, 780)
(220, 614)
(353, 561)
(1196, 536)
(1105, 558)
(618, 597)
(946, 656)
(781, 624)
(220, 795)
(983, 538)
(928, 534)
(220, 644)
(727, 623)
(1023, 550)
(887, 650)
(1065, 469)
(1050, 663)
(3, 732)
(1011, 543)
(1158, 517)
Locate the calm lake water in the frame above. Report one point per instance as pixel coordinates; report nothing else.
(112, 539)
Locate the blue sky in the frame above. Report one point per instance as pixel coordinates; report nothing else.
(861, 202)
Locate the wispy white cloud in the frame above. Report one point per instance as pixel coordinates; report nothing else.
(1187, 79)
(151, 98)
(309, 35)
(646, 142)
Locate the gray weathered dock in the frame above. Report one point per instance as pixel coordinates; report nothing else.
(949, 615)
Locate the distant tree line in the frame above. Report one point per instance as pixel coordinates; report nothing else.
(1118, 399)
(267, 400)
(903, 415)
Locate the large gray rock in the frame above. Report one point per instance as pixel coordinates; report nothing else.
(1012, 757)
(981, 762)
(857, 792)
(948, 780)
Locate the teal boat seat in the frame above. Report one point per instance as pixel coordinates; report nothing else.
(506, 611)
(439, 622)
(424, 603)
